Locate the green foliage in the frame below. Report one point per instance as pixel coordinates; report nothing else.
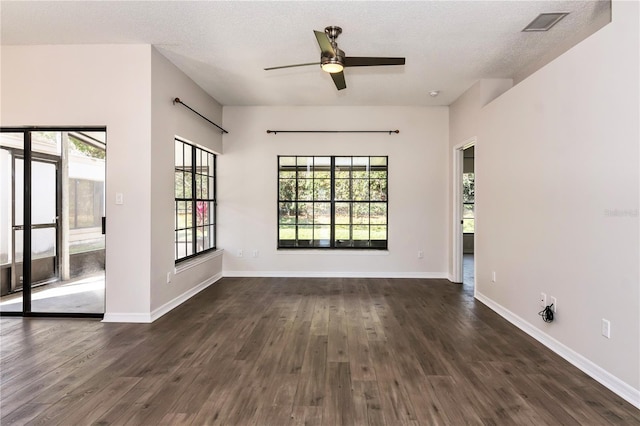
(468, 197)
(86, 149)
(360, 194)
(468, 187)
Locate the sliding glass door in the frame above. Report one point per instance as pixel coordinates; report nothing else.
(52, 246)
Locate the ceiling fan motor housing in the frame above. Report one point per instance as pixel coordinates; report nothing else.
(333, 32)
(337, 59)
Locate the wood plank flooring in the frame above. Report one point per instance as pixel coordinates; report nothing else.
(288, 351)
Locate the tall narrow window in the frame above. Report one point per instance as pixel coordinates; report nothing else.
(195, 200)
(332, 202)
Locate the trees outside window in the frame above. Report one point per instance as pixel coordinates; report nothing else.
(468, 200)
(195, 199)
(332, 202)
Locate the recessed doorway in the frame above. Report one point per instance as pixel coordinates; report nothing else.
(464, 214)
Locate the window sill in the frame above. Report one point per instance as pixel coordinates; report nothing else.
(330, 252)
(183, 266)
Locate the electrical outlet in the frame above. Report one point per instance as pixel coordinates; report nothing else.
(554, 302)
(255, 253)
(543, 300)
(606, 328)
(420, 254)
(493, 276)
(240, 253)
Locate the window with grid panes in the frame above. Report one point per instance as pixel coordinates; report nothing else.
(332, 202)
(195, 200)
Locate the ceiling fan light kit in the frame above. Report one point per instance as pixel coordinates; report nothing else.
(333, 60)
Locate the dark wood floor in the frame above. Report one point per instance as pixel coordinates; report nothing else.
(286, 351)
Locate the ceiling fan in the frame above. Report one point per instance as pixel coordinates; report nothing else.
(333, 60)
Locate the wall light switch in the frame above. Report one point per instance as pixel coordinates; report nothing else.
(606, 328)
(119, 198)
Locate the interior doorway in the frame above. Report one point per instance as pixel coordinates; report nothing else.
(468, 216)
(52, 209)
(464, 219)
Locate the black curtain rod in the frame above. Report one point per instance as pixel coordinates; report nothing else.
(178, 101)
(332, 131)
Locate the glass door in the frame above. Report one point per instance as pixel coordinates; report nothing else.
(54, 263)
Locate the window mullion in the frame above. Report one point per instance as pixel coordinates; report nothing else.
(297, 223)
(332, 219)
(194, 223)
(352, 205)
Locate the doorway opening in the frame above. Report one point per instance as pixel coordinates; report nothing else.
(464, 214)
(52, 210)
(468, 217)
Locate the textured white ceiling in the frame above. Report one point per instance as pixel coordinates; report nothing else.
(224, 46)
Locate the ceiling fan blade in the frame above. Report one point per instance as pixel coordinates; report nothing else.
(363, 61)
(292, 66)
(338, 79)
(325, 44)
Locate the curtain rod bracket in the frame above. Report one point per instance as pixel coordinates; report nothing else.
(178, 101)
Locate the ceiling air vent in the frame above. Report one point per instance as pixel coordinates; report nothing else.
(545, 21)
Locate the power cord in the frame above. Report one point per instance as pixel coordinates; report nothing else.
(547, 313)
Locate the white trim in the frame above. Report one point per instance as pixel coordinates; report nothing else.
(332, 252)
(335, 274)
(183, 266)
(158, 312)
(611, 382)
(127, 317)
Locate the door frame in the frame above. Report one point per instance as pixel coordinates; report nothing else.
(56, 162)
(28, 156)
(457, 209)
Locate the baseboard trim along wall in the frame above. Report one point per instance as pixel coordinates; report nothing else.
(125, 317)
(157, 313)
(333, 274)
(617, 386)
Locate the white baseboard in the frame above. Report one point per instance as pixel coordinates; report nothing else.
(157, 313)
(124, 317)
(617, 386)
(333, 274)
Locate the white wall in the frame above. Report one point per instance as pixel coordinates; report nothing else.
(169, 121)
(464, 126)
(417, 187)
(98, 86)
(557, 200)
(128, 89)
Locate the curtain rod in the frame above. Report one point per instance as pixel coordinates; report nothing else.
(332, 131)
(178, 101)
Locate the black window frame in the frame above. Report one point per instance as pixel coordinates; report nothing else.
(330, 200)
(208, 203)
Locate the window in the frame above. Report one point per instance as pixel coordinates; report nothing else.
(332, 202)
(468, 200)
(195, 200)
